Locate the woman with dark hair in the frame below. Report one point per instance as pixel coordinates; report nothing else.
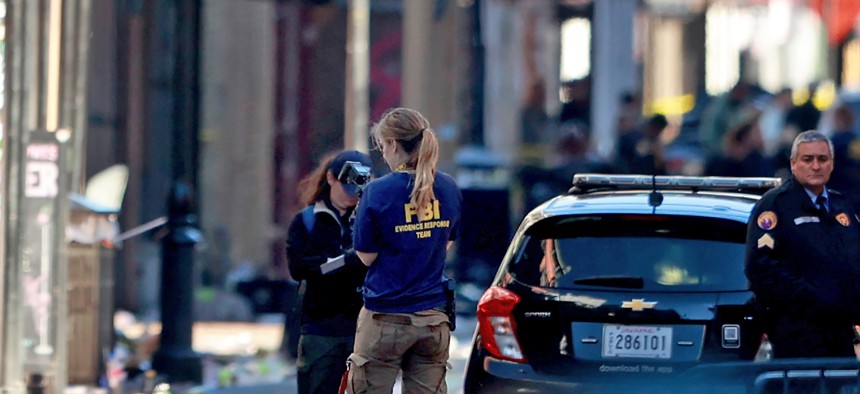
(405, 222)
(319, 250)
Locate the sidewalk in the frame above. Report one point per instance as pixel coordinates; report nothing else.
(231, 354)
(243, 358)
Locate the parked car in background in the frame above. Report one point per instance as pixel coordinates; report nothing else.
(624, 280)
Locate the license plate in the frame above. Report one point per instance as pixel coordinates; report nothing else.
(637, 341)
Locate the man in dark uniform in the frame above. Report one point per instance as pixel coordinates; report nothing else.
(803, 257)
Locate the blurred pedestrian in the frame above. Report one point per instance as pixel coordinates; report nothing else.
(630, 107)
(772, 121)
(806, 115)
(627, 129)
(803, 258)
(741, 154)
(576, 102)
(641, 151)
(722, 113)
(534, 119)
(846, 154)
(319, 251)
(405, 222)
(535, 124)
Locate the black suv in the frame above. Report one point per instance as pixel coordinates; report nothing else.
(626, 279)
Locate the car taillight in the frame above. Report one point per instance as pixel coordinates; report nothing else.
(765, 349)
(496, 324)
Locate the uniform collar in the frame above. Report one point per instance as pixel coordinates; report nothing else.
(813, 197)
(800, 193)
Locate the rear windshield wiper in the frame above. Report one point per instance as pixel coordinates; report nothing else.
(628, 282)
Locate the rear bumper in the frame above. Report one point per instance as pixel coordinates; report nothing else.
(499, 376)
(503, 378)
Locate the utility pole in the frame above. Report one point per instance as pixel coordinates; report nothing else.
(418, 73)
(175, 358)
(614, 70)
(44, 72)
(357, 75)
(186, 114)
(476, 129)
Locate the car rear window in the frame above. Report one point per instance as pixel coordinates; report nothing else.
(648, 252)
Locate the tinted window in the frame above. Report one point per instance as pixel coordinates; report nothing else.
(649, 252)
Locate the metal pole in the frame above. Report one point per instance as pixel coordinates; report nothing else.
(13, 121)
(186, 120)
(357, 75)
(175, 357)
(476, 131)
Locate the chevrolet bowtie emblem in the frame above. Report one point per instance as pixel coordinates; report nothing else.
(638, 304)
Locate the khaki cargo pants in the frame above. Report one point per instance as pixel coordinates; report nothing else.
(386, 343)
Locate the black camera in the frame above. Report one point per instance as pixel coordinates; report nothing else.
(354, 173)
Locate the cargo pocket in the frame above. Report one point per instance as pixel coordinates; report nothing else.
(443, 335)
(357, 375)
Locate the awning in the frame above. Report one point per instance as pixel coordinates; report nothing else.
(840, 17)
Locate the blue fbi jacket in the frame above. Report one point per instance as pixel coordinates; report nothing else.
(407, 275)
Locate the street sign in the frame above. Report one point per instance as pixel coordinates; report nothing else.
(41, 271)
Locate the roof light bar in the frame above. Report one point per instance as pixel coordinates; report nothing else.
(583, 183)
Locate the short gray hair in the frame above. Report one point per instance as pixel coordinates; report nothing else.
(809, 136)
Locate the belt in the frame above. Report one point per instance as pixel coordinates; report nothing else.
(394, 319)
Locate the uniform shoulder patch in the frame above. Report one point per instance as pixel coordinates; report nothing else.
(767, 220)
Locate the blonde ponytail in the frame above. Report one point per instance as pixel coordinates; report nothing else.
(412, 132)
(427, 155)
